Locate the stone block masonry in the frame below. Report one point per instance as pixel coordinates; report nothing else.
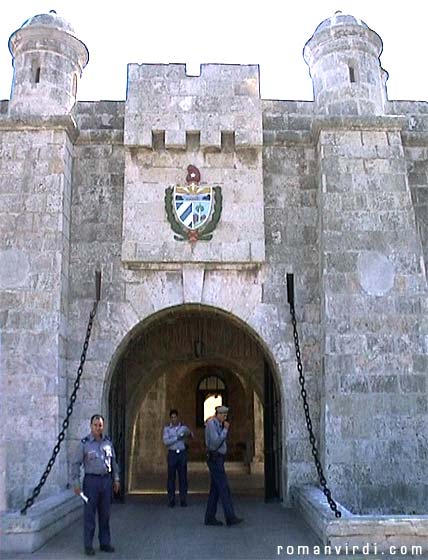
(373, 292)
(213, 121)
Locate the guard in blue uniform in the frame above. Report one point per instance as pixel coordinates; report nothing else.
(174, 437)
(96, 453)
(216, 432)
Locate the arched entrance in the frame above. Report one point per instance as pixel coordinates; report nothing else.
(187, 357)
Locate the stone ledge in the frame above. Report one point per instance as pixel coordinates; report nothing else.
(382, 531)
(34, 122)
(27, 533)
(207, 265)
(178, 266)
(350, 123)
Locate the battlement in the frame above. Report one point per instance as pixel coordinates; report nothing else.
(164, 101)
(233, 73)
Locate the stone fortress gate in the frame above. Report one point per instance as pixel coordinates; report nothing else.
(195, 198)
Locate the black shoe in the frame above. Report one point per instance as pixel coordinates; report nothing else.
(171, 504)
(89, 551)
(106, 548)
(234, 521)
(214, 522)
(183, 503)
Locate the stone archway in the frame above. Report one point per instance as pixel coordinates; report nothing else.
(160, 368)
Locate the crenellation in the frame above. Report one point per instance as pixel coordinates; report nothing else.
(152, 93)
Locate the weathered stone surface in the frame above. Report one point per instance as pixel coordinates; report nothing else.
(28, 533)
(222, 102)
(48, 62)
(356, 534)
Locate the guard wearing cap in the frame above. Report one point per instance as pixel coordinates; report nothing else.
(174, 437)
(96, 453)
(216, 432)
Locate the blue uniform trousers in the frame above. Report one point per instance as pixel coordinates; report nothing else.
(219, 488)
(98, 489)
(177, 463)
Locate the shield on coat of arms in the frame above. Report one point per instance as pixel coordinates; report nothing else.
(193, 211)
(193, 204)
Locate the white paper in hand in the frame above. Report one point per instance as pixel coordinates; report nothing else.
(84, 498)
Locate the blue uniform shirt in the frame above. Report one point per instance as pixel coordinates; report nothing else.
(215, 434)
(97, 457)
(171, 436)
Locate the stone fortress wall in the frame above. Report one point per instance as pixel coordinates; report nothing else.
(334, 191)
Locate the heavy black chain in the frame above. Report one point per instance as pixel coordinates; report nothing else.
(66, 421)
(303, 393)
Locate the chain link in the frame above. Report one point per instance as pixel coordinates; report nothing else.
(312, 439)
(66, 421)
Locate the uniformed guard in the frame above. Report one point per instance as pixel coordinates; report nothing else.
(174, 437)
(216, 432)
(96, 453)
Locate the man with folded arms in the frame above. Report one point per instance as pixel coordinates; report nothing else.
(174, 438)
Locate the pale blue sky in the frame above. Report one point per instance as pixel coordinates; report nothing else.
(269, 33)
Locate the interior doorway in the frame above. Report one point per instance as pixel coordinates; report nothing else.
(190, 358)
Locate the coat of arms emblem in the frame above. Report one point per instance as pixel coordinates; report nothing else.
(193, 210)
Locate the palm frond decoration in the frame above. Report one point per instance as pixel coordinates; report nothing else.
(206, 232)
(174, 223)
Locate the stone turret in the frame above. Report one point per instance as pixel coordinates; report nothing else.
(48, 60)
(343, 57)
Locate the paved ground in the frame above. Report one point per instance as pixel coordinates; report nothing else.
(144, 528)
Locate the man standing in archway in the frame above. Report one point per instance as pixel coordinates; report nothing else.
(216, 432)
(174, 437)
